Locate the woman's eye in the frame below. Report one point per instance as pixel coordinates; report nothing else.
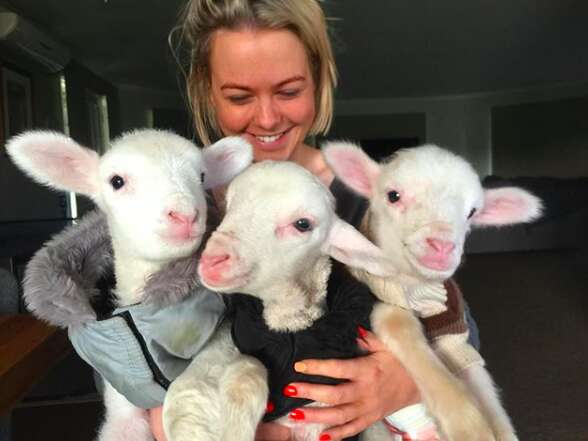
(239, 99)
(290, 93)
(393, 196)
(117, 182)
(303, 225)
(472, 212)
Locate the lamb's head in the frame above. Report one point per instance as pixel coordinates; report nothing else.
(150, 183)
(280, 221)
(423, 202)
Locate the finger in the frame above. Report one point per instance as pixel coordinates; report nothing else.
(346, 430)
(341, 369)
(328, 394)
(370, 342)
(272, 432)
(331, 416)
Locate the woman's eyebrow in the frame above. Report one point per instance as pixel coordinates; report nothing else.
(291, 80)
(234, 86)
(280, 84)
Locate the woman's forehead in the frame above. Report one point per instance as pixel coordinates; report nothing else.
(250, 57)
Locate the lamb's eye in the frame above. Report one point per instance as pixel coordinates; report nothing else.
(117, 182)
(393, 196)
(472, 213)
(303, 225)
(202, 177)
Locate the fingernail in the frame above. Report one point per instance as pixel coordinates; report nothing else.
(325, 437)
(361, 331)
(300, 366)
(269, 407)
(296, 414)
(290, 391)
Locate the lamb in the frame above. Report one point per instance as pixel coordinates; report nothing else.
(150, 187)
(423, 202)
(273, 245)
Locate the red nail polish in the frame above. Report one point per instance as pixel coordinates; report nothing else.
(290, 391)
(269, 407)
(296, 414)
(325, 437)
(361, 332)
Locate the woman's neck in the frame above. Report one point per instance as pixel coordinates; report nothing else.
(312, 159)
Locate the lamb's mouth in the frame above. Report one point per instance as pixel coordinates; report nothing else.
(429, 272)
(230, 284)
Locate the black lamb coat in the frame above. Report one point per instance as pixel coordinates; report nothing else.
(349, 304)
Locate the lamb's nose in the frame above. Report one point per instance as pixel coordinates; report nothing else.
(178, 217)
(441, 246)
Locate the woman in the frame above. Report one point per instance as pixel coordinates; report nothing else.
(264, 70)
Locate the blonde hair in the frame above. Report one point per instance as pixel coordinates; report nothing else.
(305, 18)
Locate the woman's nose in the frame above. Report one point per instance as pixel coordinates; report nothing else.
(268, 115)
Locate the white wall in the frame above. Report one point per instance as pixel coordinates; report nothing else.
(461, 123)
(136, 104)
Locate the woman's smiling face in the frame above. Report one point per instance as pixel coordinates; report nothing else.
(262, 89)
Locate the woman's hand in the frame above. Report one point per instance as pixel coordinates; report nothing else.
(378, 386)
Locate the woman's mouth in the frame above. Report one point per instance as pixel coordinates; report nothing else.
(271, 142)
(272, 138)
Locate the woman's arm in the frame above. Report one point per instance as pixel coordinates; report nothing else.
(377, 386)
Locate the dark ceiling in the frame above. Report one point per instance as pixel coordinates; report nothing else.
(385, 48)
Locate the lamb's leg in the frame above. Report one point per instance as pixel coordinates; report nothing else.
(244, 392)
(123, 421)
(379, 432)
(192, 406)
(444, 395)
(465, 362)
(480, 383)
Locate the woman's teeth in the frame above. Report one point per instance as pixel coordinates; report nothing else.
(269, 138)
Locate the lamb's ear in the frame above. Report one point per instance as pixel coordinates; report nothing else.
(352, 166)
(508, 205)
(225, 159)
(349, 246)
(56, 160)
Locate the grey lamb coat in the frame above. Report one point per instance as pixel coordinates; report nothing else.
(138, 349)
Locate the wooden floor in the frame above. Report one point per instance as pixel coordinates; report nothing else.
(532, 310)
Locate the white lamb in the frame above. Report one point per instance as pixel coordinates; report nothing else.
(151, 186)
(275, 244)
(423, 202)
